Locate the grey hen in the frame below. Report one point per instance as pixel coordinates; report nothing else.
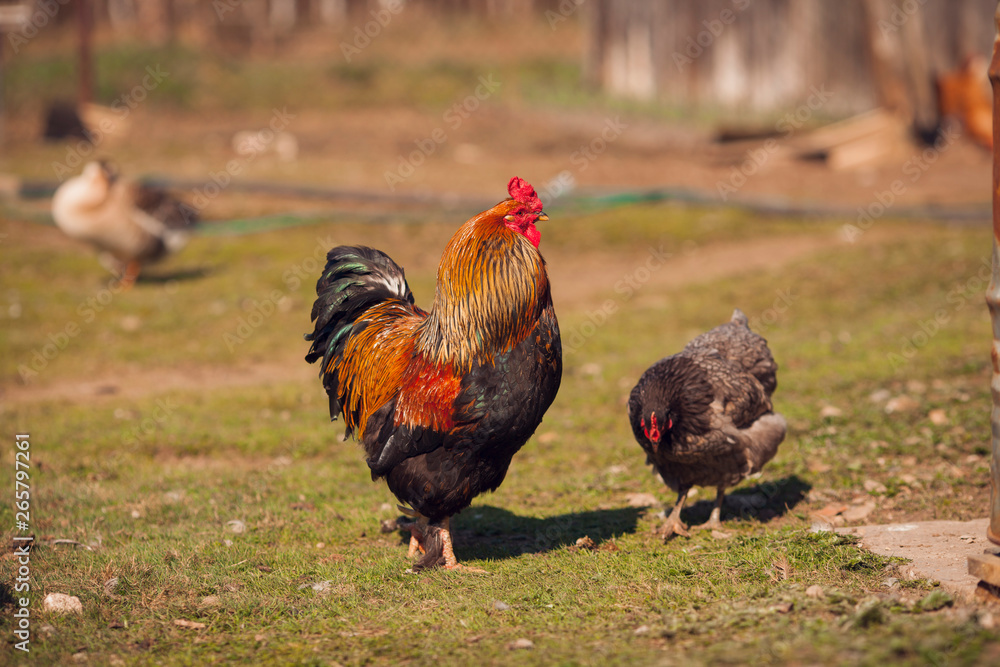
(704, 415)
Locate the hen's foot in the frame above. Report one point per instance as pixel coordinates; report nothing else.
(713, 522)
(673, 526)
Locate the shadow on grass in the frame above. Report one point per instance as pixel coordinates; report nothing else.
(161, 278)
(486, 532)
(763, 502)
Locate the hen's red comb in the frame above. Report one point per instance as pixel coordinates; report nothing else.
(521, 191)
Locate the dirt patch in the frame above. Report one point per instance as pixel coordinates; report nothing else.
(939, 550)
(575, 284)
(135, 383)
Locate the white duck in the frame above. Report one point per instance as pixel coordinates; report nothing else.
(129, 223)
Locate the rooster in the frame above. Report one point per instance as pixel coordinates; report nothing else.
(704, 415)
(442, 400)
(129, 223)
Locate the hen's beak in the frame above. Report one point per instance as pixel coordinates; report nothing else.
(542, 217)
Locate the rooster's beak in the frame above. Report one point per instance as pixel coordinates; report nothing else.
(543, 217)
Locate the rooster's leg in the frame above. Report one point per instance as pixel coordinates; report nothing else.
(417, 532)
(674, 525)
(450, 562)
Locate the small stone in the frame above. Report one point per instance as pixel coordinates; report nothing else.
(901, 404)
(131, 323)
(500, 606)
(586, 543)
(519, 644)
(830, 411)
(938, 417)
(879, 396)
(987, 621)
(871, 486)
(62, 603)
(858, 512)
(80, 657)
(643, 630)
(236, 526)
(318, 586)
(388, 526)
(110, 585)
(210, 601)
(641, 500)
(830, 510)
(815, 592)
(136, 514)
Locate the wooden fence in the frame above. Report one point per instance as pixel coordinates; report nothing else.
(763, 55)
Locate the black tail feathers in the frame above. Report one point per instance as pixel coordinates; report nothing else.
(355, 279)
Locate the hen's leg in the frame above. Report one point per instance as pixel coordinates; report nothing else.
(450, 562)
(715, 520)
(674, 525)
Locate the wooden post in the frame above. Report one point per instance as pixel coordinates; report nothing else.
(993, 296)
(85, 19)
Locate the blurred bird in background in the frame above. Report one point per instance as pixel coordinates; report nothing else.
(129, 223)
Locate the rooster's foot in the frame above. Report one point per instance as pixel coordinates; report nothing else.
(416, 546)
(418, 533)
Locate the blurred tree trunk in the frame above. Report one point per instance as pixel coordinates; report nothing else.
(85, 75)
(900, 67)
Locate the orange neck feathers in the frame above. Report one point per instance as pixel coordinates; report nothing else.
(491, 289)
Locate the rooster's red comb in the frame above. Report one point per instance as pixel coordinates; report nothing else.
(521, 191)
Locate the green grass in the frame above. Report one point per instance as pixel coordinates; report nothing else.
(150, 482)
(429, 67)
